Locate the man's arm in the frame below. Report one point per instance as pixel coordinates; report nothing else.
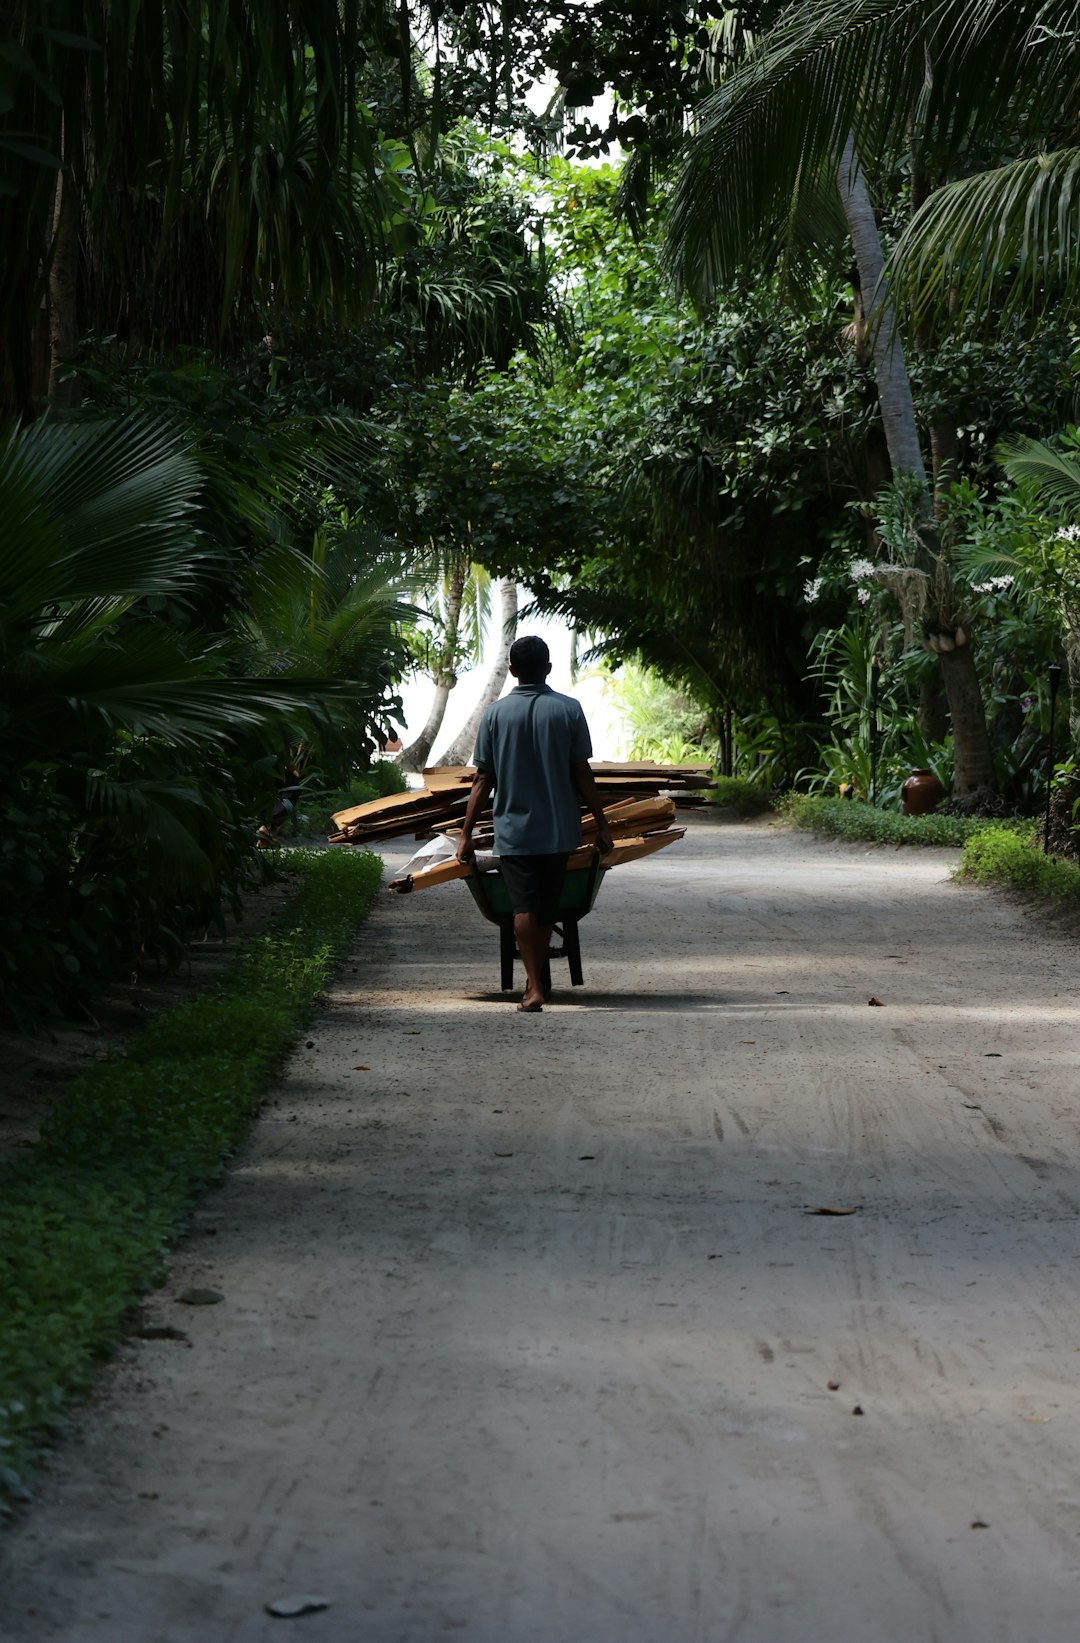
(585, 782)
(479, 794)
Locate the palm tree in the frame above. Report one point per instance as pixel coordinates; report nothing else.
(337, 614)
(459, 603)
(95, 520)
(130, 740)
(779, 158)
(1005, 242)
(461, 748)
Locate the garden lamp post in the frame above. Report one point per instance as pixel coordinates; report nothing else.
(1053, 673)
(875, 677)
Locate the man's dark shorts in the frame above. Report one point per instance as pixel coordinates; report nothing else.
(534, 884)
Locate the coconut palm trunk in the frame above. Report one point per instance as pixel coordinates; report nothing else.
(460, 750)
(414, 757)
(971, 743)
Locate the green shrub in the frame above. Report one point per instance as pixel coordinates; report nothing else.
(86, 1217)
(999, 856)
(849, 819)
(734, 793)
(318, 805)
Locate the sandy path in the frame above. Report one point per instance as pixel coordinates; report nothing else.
(527, 1335)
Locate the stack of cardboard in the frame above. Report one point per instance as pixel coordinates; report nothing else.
(638, 827)
(439, 806)
(417, 812)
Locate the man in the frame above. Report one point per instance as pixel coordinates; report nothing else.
(533, 749)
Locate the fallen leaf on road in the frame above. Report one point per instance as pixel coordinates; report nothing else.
(992, 1055)
(748, 1041)
(504, 1155)
(200, 1297)
(287, 1608)
(834, 1386)
(361, 1069)
(858, 1410)
(979, 1524)
(832, 1209)
(880, 1002)
(586, 1157)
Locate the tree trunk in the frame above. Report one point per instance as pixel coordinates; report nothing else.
(968, 722)
(890, 369)
(64, 281)
(945, 450)
(416, 755)
(460, 750)
(971, 741)
(933, 708)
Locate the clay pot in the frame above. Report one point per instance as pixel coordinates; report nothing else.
(921, 793)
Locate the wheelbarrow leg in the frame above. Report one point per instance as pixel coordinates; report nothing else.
(572, 949)
(507, 953)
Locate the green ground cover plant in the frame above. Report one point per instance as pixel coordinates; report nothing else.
(735, 793)
(315, 812)
(87, 1216)
(845, 819)
(999, 856)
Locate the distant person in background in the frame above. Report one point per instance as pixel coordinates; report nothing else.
(533, 750)
(288, 797)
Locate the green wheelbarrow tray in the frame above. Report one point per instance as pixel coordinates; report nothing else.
(579, 894)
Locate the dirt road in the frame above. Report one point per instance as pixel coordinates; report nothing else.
(527, 1332)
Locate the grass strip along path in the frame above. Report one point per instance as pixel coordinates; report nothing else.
(85, 1219)
(1003, 853)
(866, 824)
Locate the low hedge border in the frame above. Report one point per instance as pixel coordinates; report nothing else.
(735, 793)
(86, 1217)
(998, 856)
(863, 823)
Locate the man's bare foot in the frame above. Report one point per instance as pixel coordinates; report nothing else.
(531, 1004)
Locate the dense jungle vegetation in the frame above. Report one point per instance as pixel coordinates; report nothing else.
(743, 336)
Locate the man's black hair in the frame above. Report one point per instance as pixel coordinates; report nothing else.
(530, 659)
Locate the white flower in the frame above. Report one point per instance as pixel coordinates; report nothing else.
(859, 569)
(812, 590)
(863, 596)
(996, 584)
(1068, 533)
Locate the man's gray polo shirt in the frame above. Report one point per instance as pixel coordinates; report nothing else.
(528, 741)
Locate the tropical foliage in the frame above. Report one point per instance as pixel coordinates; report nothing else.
(138, 748)
(329, 339)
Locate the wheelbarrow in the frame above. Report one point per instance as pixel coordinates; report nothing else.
(579, 893)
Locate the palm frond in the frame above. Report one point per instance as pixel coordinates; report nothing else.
(858, 69)
(1053, 474)
(1005, 241)
(95, 510)
(167, 818)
